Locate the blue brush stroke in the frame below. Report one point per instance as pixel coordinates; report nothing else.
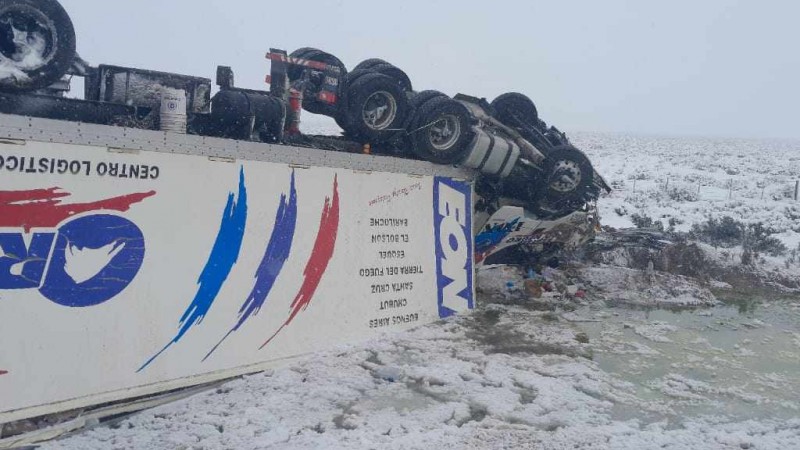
(223, 256)
(276, 254)
(494, 235)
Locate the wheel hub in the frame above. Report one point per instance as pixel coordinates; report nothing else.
(566, 176)
(445, 132)
(379, 110)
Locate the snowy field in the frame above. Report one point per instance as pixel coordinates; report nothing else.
(584, 375)
(692, 179)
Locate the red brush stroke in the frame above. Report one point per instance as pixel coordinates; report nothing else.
(318, 261)
(43, 207)
(3, 372)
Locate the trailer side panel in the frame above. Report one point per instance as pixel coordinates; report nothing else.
(125, 273)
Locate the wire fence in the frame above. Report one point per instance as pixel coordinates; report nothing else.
(684, 190)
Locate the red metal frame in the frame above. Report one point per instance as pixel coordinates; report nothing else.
(329, 92)
(301, 62)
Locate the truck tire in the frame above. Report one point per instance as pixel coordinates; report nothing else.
(369, 63)
(341, 117)
(415, 100)
(515, 110)
(567, 176)
(394, 72)
(443, 132)
(376, 108)
(37, 44)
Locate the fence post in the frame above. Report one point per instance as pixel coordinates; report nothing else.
(796, 189)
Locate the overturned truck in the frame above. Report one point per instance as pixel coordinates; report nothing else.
(119, 279)
(522, 160)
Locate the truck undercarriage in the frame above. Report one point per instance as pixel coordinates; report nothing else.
(535, 190)
(522, 160)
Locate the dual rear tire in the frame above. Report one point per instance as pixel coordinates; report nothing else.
(375, 109)
(376, 105)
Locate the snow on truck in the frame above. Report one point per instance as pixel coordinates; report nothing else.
(153, 237)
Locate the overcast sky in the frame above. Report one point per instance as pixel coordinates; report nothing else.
(679, 67)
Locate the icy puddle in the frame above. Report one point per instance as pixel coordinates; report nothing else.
(740, 361)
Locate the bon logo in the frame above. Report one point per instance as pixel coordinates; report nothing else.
(82, 261)
(452, 221)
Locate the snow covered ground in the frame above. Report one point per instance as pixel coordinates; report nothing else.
(691, 179)
(583, 374)
(505, 377)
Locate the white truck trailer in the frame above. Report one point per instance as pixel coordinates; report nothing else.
(134, 262)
